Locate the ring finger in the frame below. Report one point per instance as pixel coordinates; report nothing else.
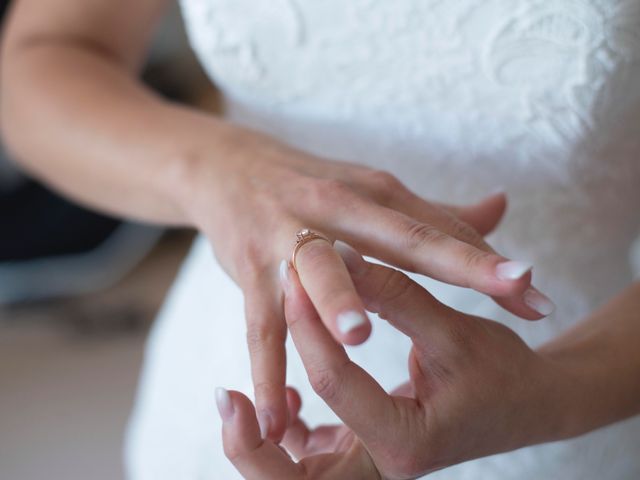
(330, 288)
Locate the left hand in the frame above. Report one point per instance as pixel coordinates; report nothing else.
(475, 389)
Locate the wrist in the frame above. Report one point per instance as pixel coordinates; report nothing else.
(573, 402)
(200, 174)
(220, 177)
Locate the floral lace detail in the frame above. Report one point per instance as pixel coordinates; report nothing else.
(361, 57)
(540, 97)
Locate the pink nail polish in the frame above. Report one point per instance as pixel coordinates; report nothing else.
(512, 270)
(538, 302)
(284, 274)
(224, 404)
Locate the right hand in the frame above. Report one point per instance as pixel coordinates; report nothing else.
(257, 194)
(475, 389)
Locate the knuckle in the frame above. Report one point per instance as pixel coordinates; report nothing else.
(264, 335)
(322, 382)
(325, 382)
(249, 263)
(393, 289)
(473, 258)
(334, 186)
(420, 234)
(382, 180)
(465, 232)
(324, 196)
(265, 390)
(327, 190)
(269, 200)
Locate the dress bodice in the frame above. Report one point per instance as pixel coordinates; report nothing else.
(458, 98)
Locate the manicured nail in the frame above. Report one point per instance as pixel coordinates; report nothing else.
(538, 302)
(497, 191)
(284, 274)
(512, 270)
(224, 403)
(349, 321)
(350, 256)
(264, 421)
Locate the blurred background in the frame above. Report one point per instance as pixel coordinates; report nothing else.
(78, 292)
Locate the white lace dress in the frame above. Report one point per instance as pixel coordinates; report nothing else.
(457, 98)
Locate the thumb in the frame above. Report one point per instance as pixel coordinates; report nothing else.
(253, 457)
(485, 215)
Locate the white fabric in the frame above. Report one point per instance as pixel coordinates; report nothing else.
(457, 98)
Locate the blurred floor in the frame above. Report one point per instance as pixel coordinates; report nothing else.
(68, 374)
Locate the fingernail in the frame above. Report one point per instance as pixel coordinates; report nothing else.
(497, 191)
(284, 274)
(350, 256)
(512, 270)
(224, 403)
(349, 321)
(538, 302)
(264, 421)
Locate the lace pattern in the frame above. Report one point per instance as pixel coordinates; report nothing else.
(540, 97)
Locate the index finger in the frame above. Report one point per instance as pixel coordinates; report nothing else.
(408, 306)
(332, 374)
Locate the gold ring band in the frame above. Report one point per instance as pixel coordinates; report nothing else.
(305, 236)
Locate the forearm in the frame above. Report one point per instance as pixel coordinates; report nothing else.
(598, 365)
(80, 120)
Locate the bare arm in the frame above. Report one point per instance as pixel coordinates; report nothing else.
(602, 359)
(75, 114)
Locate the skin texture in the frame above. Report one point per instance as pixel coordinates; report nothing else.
(475, 388)
(75, 115)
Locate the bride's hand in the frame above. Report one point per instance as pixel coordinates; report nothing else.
(475, 389)
(251, 202)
